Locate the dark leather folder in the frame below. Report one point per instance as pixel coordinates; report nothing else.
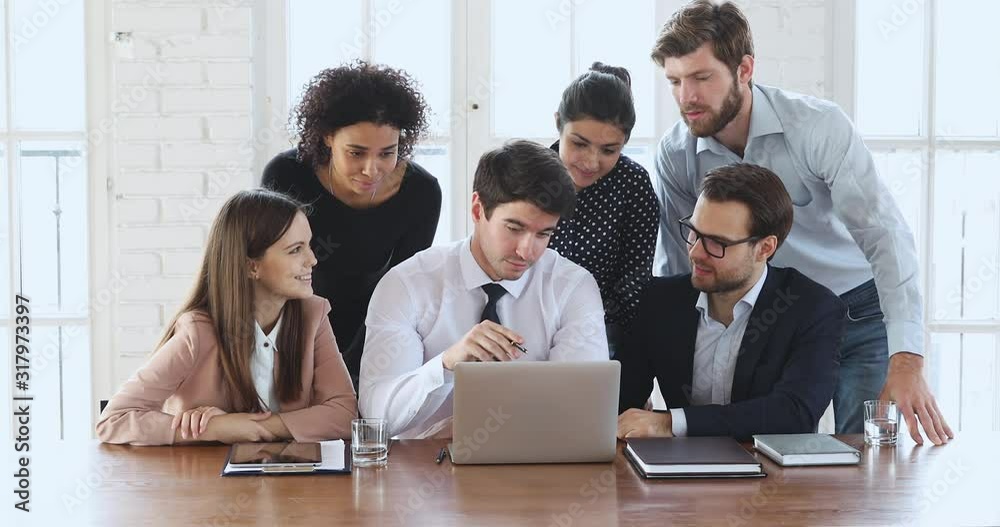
(691, 457)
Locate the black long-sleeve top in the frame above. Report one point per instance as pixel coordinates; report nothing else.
(612, 234)
(355, 247)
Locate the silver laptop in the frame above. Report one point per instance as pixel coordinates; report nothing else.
(535, 412)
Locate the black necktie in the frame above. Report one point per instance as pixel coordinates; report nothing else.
(494, 292)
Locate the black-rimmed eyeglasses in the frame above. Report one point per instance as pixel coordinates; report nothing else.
(715, 247)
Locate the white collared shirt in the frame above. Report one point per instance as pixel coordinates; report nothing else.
(262, 364)
(716, 349)
(426, 304)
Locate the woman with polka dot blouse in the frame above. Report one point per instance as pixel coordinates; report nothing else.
(612, 232)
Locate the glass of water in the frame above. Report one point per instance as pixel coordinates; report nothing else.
(369, 442)
(881, 422)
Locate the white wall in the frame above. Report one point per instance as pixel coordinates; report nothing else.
(183, 142)
(181, 103)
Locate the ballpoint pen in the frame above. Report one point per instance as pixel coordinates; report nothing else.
(441, 454)
(518, 346)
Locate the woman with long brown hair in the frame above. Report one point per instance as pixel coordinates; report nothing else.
(251, 355)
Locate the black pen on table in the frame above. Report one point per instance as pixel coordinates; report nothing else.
(441, 454)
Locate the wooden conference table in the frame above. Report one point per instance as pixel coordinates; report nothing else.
(95, 484)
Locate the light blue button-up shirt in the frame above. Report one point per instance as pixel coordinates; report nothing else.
(847, 227)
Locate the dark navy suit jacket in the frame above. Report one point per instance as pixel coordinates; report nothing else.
(787, 366)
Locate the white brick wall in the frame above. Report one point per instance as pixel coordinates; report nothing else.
(789, 43)
(182, 111)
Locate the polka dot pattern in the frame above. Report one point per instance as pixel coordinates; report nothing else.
(612, 234)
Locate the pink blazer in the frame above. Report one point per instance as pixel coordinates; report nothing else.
(185, 374)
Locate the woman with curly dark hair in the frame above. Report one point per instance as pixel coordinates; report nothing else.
(372, 206)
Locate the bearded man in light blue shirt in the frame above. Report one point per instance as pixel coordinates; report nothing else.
(847, 234)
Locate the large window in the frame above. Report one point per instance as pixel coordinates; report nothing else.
(43, 208)
(926, 105)
(485, 82)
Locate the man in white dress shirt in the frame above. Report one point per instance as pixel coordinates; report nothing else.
(481, 298)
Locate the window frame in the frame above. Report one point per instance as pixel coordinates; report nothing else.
(929, 144)
(470, 38)
(97, 323)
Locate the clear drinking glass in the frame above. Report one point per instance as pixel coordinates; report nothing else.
(881, 423)
(369, 442)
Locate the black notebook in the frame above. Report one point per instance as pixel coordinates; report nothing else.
(691, 457)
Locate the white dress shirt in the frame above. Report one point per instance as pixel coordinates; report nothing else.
(262, 364)
(716, 348)
(847, 227)
(426, 304)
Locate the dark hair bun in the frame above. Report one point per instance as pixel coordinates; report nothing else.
(617, 71)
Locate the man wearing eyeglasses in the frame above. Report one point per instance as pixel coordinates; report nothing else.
(848, 234)
(738, 347)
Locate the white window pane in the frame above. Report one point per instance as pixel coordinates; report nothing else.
(48, 64)
(529, 74)
(966, 236)
(437, 160)
(967, 73)
(889, 57)
(44, 385)
(77, 405)
(53, 223)
(629, 49)
(5, 290)
(5, 384)
(903, 172)
(642, 155)
(416, 36)
(945, 375)
(979, 390)
(60, 383)
(3, 70)
(322, 34)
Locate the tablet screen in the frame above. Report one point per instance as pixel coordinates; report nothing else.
(267, 454)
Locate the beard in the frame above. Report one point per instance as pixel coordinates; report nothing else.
(716, 121)
(722, 282)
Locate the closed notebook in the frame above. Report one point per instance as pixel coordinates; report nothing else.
(791, 450)
(691, 457)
